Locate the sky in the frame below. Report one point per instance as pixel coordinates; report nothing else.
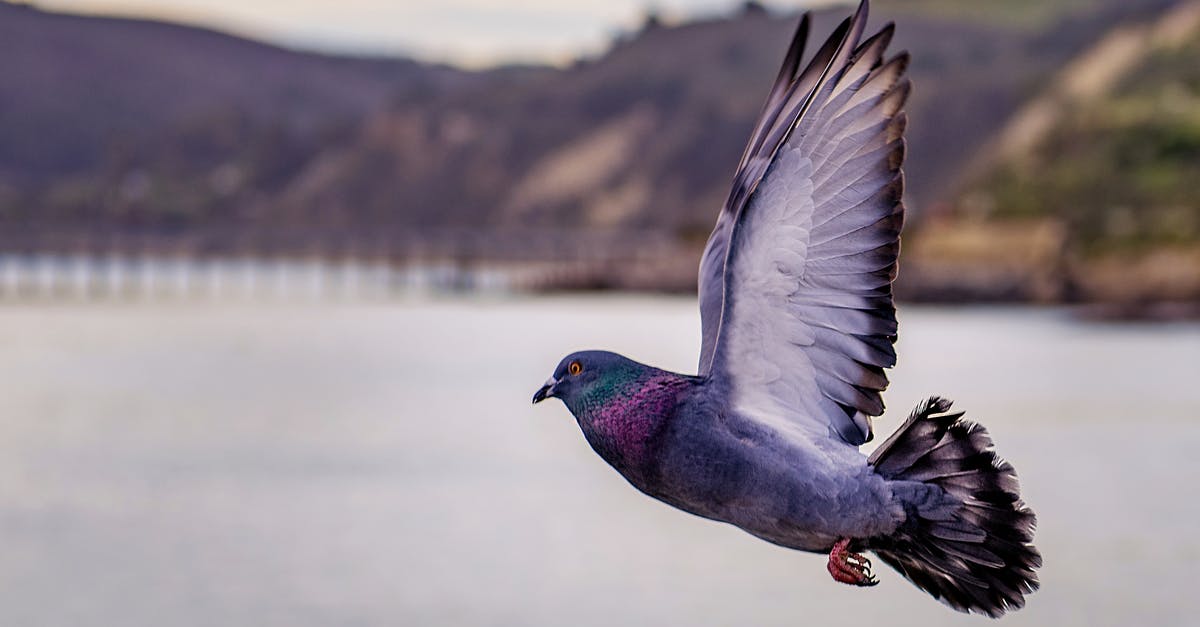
(474, 33)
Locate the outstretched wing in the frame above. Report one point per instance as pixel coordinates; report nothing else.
(795, 285)
(750, 170)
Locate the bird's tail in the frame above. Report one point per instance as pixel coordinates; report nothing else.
(968, 537)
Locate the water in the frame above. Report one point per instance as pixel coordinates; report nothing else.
(116, 278)
(381, 465)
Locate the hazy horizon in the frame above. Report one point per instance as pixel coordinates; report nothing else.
(469, 33)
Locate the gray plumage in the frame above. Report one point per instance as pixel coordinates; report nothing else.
(798, 329)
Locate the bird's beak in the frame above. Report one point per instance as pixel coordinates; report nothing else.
(545, 392)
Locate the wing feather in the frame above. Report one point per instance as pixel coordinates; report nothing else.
(795, 284)
(790, 94)
(712, 264)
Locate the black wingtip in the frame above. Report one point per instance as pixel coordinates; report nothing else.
(795, 53)
(862, 13)
(885, 34)
(877, 43)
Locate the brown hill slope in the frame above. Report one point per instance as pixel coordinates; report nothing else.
(72, 86)
(647, 135)
(288, 150)
(1090, 193)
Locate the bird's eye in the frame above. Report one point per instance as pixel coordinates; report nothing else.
(574, 368)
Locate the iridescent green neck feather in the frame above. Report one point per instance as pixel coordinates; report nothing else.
(622, 411)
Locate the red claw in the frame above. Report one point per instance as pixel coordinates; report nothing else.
(850, 568)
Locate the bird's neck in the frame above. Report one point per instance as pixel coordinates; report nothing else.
(621, 422)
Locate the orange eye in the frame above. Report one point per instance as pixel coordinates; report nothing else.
(574, 368)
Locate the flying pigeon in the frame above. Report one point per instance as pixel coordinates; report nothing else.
(798, 326)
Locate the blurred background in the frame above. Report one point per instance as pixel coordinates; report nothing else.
(277, 281)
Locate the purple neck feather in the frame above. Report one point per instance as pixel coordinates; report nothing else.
(621, 428)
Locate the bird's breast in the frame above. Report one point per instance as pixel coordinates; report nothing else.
(625, 430)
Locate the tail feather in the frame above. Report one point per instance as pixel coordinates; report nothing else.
(968, 538)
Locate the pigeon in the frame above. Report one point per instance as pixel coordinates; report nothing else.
(798, 327)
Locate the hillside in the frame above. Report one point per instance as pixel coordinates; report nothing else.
(1114, 174)
(148, 136)
(646, 136)
(72, 85)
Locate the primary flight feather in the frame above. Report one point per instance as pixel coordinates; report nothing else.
(798, 328)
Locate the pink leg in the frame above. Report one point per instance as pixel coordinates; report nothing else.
(850, 568)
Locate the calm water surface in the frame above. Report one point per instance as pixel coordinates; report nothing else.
(381, 465)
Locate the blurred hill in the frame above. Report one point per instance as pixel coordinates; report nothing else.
(1091, 186)
(125, 133)
(74, 85)
(112, 125)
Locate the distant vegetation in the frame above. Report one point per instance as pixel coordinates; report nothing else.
(1122, 172)
(1033, 14)
(136, 136)
(1098, 202)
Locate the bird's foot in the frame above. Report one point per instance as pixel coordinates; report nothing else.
(850, 568)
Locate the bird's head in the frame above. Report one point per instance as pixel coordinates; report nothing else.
(588, 377)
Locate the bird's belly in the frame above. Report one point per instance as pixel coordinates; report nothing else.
(783, 493)
(778, 521)
(796, 523)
